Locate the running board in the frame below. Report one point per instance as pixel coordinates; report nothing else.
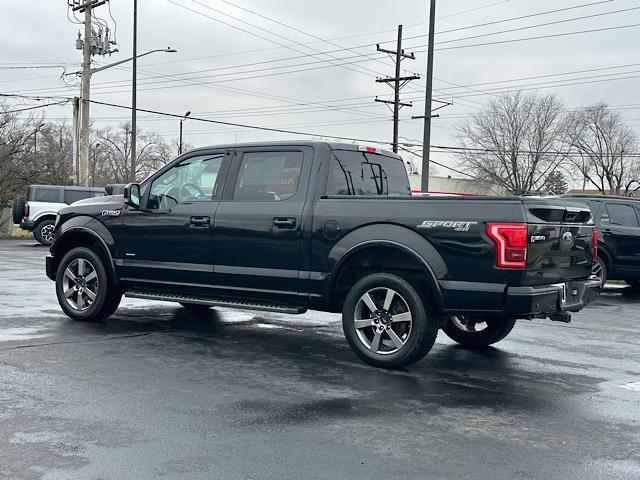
(263, 307)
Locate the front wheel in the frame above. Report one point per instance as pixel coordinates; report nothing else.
(386, 322)
(478, 333)
(84, 290)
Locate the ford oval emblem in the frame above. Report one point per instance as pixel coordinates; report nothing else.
(567, 238)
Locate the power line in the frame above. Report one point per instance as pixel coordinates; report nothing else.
(35, 107)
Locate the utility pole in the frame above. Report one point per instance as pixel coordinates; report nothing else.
(83, 172)
(134, 92)
(93, 43)
(398, 82)
(426, 138)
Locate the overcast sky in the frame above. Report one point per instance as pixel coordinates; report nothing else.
(217, 73)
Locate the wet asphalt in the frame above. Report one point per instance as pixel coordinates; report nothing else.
(157, 392)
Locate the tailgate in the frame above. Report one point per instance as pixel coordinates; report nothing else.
(560, 241)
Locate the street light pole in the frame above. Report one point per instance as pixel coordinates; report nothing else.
(134, 92)
(187, 113)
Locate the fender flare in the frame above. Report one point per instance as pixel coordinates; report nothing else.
(394, 236)
(41, 215)
(94, 228)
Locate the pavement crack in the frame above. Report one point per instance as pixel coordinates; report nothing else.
(93, 340)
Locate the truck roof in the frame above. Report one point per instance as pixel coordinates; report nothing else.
(69, 187)
(303, 143)
(599, 197)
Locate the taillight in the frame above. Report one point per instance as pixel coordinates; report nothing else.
(26, 211)
(511, 243)
(594, 253)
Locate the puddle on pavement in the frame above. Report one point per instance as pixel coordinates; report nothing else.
(16, 334)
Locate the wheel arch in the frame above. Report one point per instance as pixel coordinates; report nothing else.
(385, 248)
(82, 233)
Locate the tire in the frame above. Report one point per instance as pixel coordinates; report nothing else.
(600, 270)
(196, 307)
(43, 232)
(18, 210)
(459, 330)
(414, 335)
(94, 278)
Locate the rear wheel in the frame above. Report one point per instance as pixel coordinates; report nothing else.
(478, 333)
(43, 232)
(599, 269)
(386, 322)
(83, 287)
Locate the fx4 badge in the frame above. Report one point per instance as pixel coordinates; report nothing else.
(538, 238)
(110, 213)
(455, 226)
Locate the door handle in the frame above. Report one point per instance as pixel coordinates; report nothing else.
(282, 223)
(199, 222)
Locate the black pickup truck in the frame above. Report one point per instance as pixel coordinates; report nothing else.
(286, 227)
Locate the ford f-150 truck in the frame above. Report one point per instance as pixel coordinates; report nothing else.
(287, 227)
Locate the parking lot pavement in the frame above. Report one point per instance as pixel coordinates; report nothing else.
(157, 392)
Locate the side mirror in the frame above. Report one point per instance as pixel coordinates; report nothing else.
(132, 195)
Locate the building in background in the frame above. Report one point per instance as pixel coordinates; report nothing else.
(448, 184)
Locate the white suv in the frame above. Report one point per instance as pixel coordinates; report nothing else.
(38, 213)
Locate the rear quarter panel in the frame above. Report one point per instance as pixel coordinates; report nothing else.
(458, 255)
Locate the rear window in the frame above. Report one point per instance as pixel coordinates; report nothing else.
(71, 196)
(43, 194)
(362, 173)
(619, 214)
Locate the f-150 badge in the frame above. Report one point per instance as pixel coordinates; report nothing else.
(110, 213)
(455, 226)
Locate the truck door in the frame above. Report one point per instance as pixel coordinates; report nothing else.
(169, 240)
(621, 233)
(259, 226)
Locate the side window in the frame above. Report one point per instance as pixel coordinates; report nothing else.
(51, 195)
(268, 176)
(71, 196)
(620, 214)
(192, 180)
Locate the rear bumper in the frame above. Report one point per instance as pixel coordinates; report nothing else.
(521, 302)
(546, 300)
(28, 226)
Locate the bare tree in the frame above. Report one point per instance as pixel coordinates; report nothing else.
(601, 144)
(515, 143)
(113, 159)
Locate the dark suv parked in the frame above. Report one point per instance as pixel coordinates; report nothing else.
(617, 221)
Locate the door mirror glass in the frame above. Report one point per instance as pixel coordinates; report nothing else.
(132, 195)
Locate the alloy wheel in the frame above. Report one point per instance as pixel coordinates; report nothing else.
(47, 232)
(598, 271)
(383, 320)
(80, 284)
